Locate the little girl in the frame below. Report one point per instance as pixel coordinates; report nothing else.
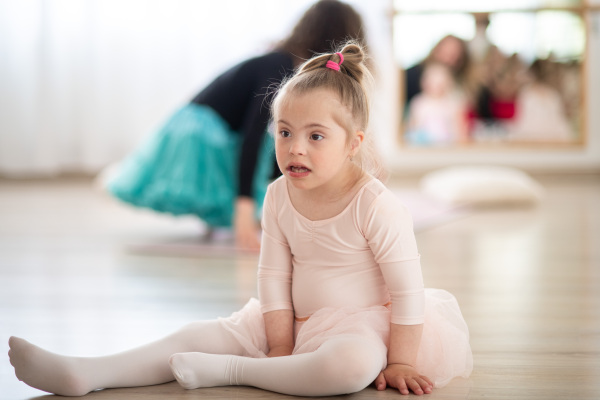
(342, 303)
(437, 116)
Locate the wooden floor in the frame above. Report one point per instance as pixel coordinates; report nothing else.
(81, 274)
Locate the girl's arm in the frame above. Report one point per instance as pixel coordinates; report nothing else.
(404, 343)
(389, 231)
(279, 326)
(275, 281)
(400, 372)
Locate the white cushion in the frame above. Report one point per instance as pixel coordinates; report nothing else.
(482, 185)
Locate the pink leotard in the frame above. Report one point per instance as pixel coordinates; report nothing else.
(364, 256)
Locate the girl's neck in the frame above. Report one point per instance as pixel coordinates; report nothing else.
(327, 202)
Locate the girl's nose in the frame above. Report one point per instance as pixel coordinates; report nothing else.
(297, 147)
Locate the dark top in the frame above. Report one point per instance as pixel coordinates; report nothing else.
(413, 82)
(242, 96)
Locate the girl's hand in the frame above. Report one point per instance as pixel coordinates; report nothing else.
(245, 226)
(404, 378)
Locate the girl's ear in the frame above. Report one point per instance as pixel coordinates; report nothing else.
(356, 142)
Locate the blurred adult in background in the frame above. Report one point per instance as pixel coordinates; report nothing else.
(480, 44)
(494, 85)
(213, 158)
(505, 79)
(450, 51)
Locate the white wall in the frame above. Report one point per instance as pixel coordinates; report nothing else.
(83, 82)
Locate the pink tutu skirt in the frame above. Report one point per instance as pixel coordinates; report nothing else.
(444, 352)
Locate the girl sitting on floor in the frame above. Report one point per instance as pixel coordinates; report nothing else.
(342, 302)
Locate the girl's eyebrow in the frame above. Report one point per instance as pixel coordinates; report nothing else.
(316, 125)
(310, 125)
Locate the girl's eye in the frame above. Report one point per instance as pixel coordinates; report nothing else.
(285, 134)
(316, 136)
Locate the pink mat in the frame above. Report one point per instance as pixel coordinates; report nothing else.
(428, 212)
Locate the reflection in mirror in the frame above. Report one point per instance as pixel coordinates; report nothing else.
(480, 5)
(501, 77)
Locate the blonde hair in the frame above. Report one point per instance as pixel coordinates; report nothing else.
(351, 83)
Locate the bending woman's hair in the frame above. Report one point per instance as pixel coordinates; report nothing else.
(331, 19)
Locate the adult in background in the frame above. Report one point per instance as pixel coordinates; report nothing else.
(450, 51)
(213, 158)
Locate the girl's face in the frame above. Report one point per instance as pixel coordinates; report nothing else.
(311, 143)
(437, 80)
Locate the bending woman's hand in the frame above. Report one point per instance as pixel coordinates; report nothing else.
(404, 378)
(245, 226)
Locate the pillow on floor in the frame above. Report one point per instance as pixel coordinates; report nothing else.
(482, 185)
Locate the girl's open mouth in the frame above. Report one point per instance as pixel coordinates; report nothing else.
(298, 170)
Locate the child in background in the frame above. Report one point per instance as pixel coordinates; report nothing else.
(437, 115)
(342, 302)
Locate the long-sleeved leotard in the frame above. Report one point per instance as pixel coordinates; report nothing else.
(365, 256)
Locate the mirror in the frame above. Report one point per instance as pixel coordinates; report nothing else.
(502, 77)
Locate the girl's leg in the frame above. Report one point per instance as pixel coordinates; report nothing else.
(142, 366)
(345, 364)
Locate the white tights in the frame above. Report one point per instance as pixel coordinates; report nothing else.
(203, 354)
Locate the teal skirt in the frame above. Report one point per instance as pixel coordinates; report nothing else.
(190, 166)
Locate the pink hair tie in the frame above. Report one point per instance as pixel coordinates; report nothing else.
(333, 65)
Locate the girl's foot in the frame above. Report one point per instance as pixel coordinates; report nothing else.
(196, 370)
(46, 371)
